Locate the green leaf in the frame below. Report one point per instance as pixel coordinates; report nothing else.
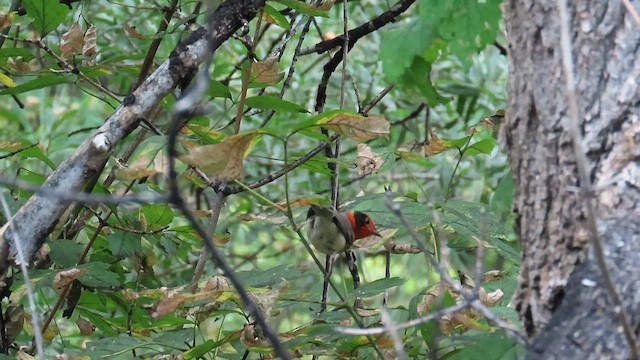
(198, 351)
(123, 244)
(303, 8)
(275, 275)
(36, 152)
(277, 17)
(488, 346)
(6, 53)
(218, 89)
(157, 215)
(273, 103)
(503, 195)
(98, 275)
(476, 221)
(40, 82)
(378, 286)
(46, 14)
(484, 146)
(65, 253)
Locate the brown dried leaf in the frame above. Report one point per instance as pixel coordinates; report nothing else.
(5, 20)
(14, 321)
(72, 41)
(367, 312)
(490, 299)
(367, 160)
(22, 66)
(266, 71)
(357, 127)
(223, 160)
(493, 275)
(435, 145)
(86, 327)
(168, 305)
(65, 277)
(216, 283)
(132, 32)
(130, 173)
(89, 49)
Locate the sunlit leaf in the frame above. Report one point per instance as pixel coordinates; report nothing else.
(378, 286)
(40, 82)
(266, 71)
(7, 81)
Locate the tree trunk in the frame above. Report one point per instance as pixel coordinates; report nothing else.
(551, 221)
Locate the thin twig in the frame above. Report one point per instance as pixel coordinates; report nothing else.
(632, 11)
(586, 186)
(377, 99)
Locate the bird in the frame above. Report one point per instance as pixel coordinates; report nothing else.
(333, 232)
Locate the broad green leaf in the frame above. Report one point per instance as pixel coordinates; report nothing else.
(40, 82)
(275, 17)
(198, 351)
(46, 14)
(123, 244)
(36, 152)
(218, 89)
(98, 275)
(378, 286)
(108, 346)
(476, 221)
(156, 215)
(487, 346)
(484, 146)
(503, 194)
(273, 276)
(7, 53)
(273, 103)
(65, 253)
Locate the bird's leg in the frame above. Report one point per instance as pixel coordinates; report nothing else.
(353, 269)
(328, 268)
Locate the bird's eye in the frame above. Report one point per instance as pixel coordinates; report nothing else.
(366, 221)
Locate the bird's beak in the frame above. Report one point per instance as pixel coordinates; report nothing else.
(376, 233)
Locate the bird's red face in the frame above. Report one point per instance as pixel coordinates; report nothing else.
(362, 225)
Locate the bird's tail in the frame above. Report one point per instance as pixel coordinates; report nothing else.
(319, 211)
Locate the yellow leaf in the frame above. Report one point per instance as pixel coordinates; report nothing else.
(357, 127)
(7, 81)
(223, 160)
(72, 41)
(266, 71)
(435, 145)
(132, 32)
(6, 20)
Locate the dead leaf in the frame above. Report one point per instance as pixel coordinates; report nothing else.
(490, 299)
(14, 321)
(130, 173)
(65, 277)
(357, 127)
(23, 355)
(367, 160)
(167, 305)
(89, 49)
(223, 160)
(22, 66)
(367, 312)
(86, 327)
(216, 283)
(132, 32)
(435, 145)
(5, 20)
(266, 71)
(72, 41)
(493, 275)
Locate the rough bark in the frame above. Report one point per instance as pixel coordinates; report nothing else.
(36, 219)
(551, 219)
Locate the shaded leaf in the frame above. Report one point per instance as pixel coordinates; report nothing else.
(273, 103)
(307, 9)
(98, 275)
(6, 20)
(132, 32)
(86, 328)
(218, 89)
(66, 277)
(378, 286)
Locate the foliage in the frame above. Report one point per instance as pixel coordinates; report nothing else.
(115, 279)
